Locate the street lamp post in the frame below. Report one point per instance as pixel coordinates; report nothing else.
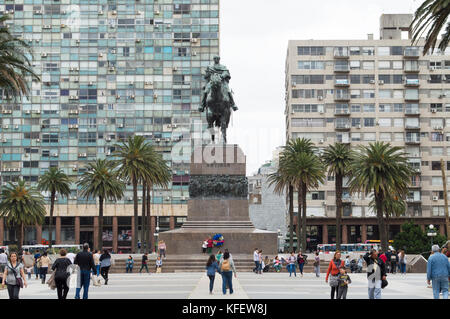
(156, 240)
(431, 233)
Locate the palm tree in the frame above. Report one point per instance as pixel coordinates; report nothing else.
(281, 182)
(381, 169)
(307, 172)
(21, 206)
(432, 15)
(292, 149)
(55, 182)
(100, 181)
(137, 162)
(337, 159)
(15, 64)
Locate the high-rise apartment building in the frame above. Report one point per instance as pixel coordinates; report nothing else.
(361, 91)
(109, 69)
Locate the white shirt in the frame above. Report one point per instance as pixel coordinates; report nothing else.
(255, 255)
(3, 258)
(71, 257)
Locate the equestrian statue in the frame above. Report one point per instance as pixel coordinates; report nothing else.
(217, 99)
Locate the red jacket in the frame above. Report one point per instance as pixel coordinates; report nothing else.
(210, 243)
(383, 258)
(332, 269)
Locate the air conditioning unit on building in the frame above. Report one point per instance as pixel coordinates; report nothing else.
(7, 111)
(433, 110)
(439, 128)
(73, 97)
(44, 55)
(74, 168)
(108, 139)
(4, 140)
(157, 140)
(321, 141)
(435, 198)
(148, 83)
(47, 26)
(16, 127)
(132, 97)
(6, 126)
(372, 81)
(194, 40)
(167, 198)
(155, 96)
(157, 12)
(174, 125)
(73, 112)
(113, 51)
(320, 98)
(82, 155)
(120, 125)
(114, 13)
(118, 96)
(63, 25)
(138, 40)
(73, 126)
(111, 69)
(175, 68)
(381, 82)
(55, 154)
(359, 126)
(38, 12)
(100, 12)
(129, 198)
(38, 140)
(194, 53)
(27, 112)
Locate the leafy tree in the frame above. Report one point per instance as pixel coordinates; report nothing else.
(55, 182)
(414, 240)
(337, 159)
(21, 206)
(100, 181)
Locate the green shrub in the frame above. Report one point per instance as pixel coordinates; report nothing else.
(414, 240)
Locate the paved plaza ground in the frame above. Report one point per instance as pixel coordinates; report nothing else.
(246, 286)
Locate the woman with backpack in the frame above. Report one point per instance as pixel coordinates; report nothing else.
(61, 274)
(333, 272)
(14, 277)
(211, 268)
(105, 264)
(226, 270)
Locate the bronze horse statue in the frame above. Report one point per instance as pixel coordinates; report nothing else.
(218, 107)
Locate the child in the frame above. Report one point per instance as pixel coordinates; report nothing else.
(343, 281)
(158, 265)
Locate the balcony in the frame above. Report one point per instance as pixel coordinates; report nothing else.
(341, 53)
(412, 200)
(412, 127)
(412, 140)
(342, 97)
(411, 53)
(411, 82)
(412, 97)
(411, 68)
(343, 126)
(342, 112)
(412, 112)
(347, 199)
(342, 82)
(341, 68)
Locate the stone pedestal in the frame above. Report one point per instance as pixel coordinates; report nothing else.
(218, 204)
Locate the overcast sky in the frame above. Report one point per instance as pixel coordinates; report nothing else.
(253, 42)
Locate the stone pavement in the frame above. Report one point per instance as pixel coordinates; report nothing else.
(246, 286)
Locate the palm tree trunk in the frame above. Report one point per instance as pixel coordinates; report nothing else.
(144, 216)
(291, 217)
(136, 224)
(304, 217)
(338, 185)
(100, 223)
(379, 197)
(149, 234)
(19, 237)
(299, 220)
(50, 224)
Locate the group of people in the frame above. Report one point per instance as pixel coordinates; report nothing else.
(263, 265)
(144, 264)
(87, 263)
(224, 265)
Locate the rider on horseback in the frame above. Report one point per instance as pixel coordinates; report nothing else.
(225, 76)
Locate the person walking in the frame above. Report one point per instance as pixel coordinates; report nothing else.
(85, 262)
(343, 282)
(256, 260)
(317, 264)
(44, 262)
(393, 261)
(376, 273)
(144, 263)
(291, 264)
(162, 248)
(333, 272)
(3, 261)
(438, 272)
(105, 265)
(211, 268)
(226, 270)
(301, 259)
(13, 276)
(347, 262)
(388, 255)
(402, 262)
(61, 274)
(96, 257)
(260, 262)
(130, 263)
(360, 263)
(37, 271)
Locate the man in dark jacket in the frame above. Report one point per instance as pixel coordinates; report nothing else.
(85, 261)
(394, 262)
(376, 273)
